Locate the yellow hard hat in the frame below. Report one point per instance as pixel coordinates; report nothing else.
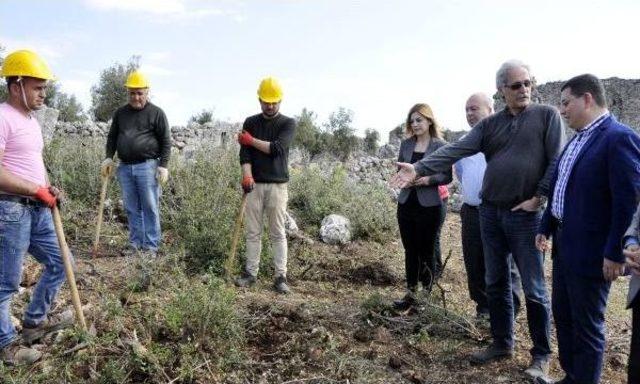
(26, 63)
(269, 90)
(136, 80)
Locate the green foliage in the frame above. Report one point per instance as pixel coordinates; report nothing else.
(203, 313)
(336, 136)
(204, 116)
(371, 138)
(110, 93)
(344, 141)
(68, 106)
(307, 133)
(74, 167)
(201, 205)
(314, 195)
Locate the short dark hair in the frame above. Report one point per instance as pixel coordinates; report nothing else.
(10, 80)
(582, 84)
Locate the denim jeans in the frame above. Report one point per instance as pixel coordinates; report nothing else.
(27, 229)
(141, 197)
(504, 232)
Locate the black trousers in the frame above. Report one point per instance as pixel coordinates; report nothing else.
(473, 255)
(438, 250)
(634, 355)
(418, 231)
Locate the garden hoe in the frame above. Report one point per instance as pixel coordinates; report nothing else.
(228, 265)
(103, 196)
(68, 267)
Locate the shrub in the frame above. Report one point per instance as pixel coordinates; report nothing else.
(201, 204)
(314, 195)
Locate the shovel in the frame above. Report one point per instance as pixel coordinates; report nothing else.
(68, 268)
(103, 196)
(228, 264)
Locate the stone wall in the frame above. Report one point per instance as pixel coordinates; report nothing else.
(184, 138)
(623, 97)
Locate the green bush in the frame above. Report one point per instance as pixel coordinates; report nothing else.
(203, 313)
(201, 204)
(314, 195)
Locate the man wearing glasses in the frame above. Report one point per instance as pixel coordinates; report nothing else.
(140, 135)
(590, 205)
(520, 144)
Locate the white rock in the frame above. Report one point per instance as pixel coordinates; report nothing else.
(335, 229)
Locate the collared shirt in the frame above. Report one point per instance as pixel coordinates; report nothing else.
(470, 172)
(567, 161)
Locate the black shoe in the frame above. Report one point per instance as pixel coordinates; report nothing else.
(245, 281)
(490, 353)
(280, 285)
(408, 301)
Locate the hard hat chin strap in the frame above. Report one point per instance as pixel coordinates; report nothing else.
(24, 95)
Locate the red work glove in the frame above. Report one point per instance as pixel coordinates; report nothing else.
(44, 194)
(248, 184)
(245, 138)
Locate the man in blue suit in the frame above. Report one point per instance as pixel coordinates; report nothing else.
(591, 202)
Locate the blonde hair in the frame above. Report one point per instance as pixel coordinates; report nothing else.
(425, 111)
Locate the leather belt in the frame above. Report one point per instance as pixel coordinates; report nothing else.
(22, 200)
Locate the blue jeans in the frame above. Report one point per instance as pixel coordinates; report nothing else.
(141, 197)
(25, 229)
(504, 232)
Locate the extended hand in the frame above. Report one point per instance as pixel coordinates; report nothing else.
(405, 176)
(632, 254)
(542, 243)
(424, 180)
(162, 175)
(245, 138)
(530, 205)
(612, 270)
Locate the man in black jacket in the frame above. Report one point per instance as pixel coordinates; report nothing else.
(140, 135)
(264, 157)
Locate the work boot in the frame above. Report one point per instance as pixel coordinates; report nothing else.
(539, 368)
(246, 280)
(51, 324)
(281, 286)
(16, 354)
(151, 254)
(406, 302)
(490, 353)
(130, 251)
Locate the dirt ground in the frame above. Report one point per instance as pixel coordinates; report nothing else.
(338, 326)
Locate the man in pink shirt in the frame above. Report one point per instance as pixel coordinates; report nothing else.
(26, 224)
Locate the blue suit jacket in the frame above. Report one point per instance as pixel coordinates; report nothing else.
(600, 199)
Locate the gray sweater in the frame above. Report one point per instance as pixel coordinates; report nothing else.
(520, 152)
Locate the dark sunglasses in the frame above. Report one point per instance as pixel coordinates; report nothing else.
(518, 84)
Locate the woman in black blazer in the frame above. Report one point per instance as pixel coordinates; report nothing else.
(419, 205)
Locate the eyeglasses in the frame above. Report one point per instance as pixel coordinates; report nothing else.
(518, 84)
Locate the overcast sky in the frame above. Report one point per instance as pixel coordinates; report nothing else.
(377, 58)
